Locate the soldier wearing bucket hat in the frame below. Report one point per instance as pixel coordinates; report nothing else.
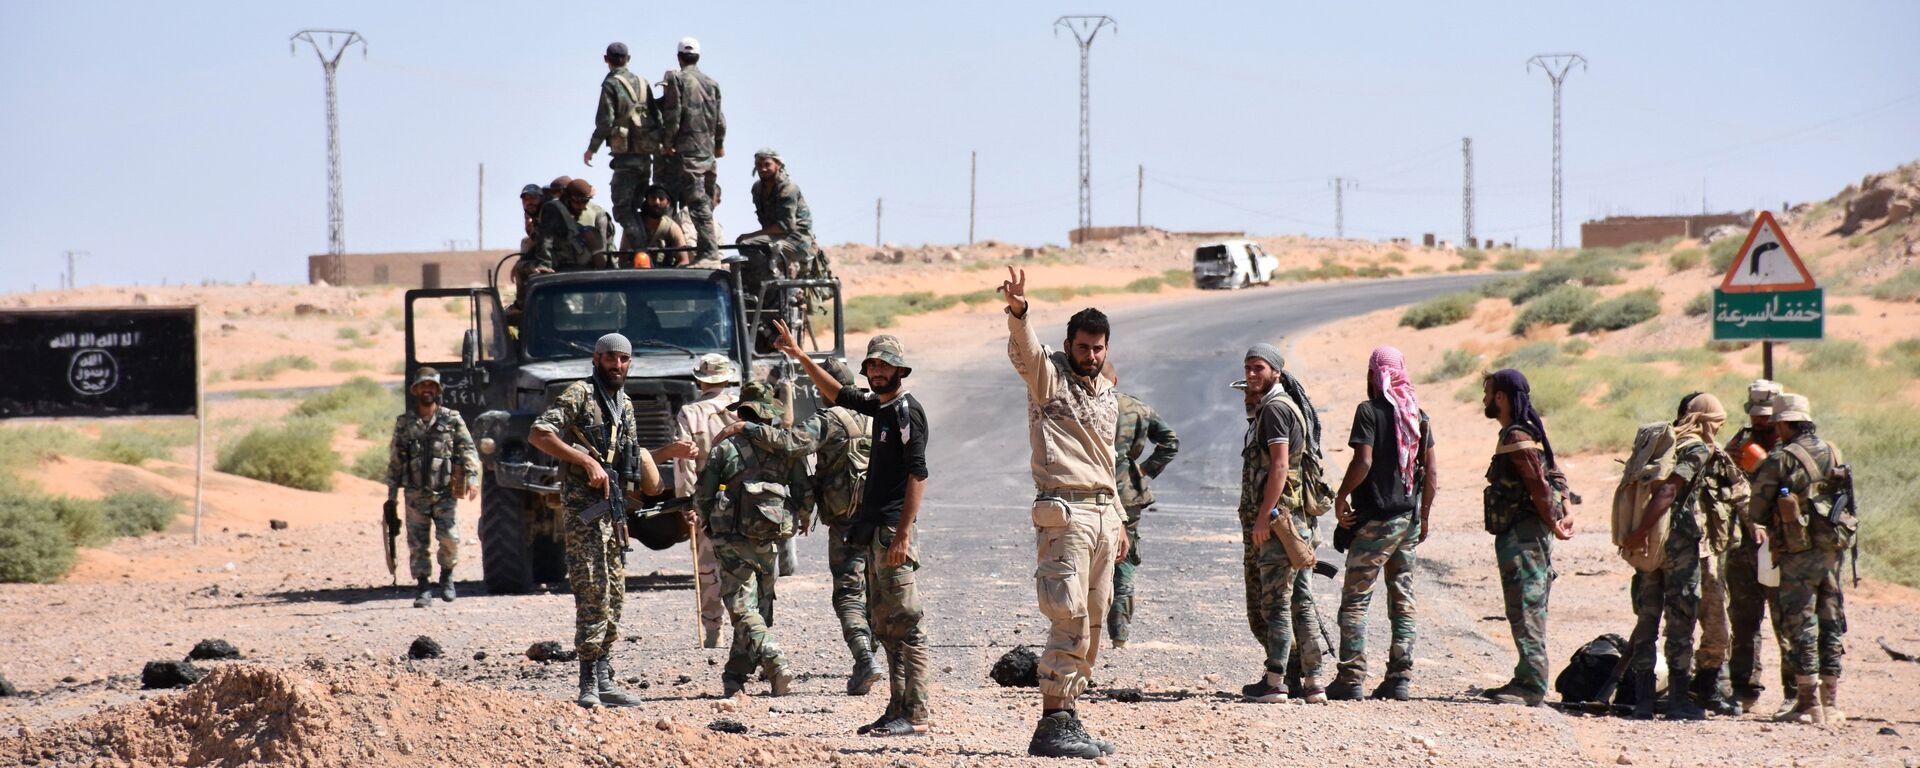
(433, 457)
(1748, 601)
(1795, 499)
(696, 430)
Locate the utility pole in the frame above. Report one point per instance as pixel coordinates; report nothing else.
(1084, 29)
(1340, 185)
(73, 256)
(1466, 195)
(973, 186)
(336, 44)
(1139, 195)
(480, 215)
(1556, 65)
(876, 220)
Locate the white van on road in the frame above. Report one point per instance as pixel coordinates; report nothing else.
(1232, 264)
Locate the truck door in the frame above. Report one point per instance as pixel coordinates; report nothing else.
(461, 332)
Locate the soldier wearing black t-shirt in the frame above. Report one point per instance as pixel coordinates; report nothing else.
(896, 479)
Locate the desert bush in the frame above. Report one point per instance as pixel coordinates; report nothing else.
(1844, 309)
(136, 513)
(1589, 268)
(1472, 258)
(1827, 355)
(1454, 364)
(34, 545)
(1722, 252)
(1555, 307)
(1178, 278)
(1439, 311)
(1539, 354)
(267, 369)
(1511, 260)
(296, 454)
(1576, 347)
(1623, 311)
(371, 463)
(1148, 284)
(83, 519)
(1903, 286)
(136, 443)
(1685, 259)
(1700, 304)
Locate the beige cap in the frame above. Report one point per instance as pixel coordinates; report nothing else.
(714, 368)
(1790, 408)
(1760, 396)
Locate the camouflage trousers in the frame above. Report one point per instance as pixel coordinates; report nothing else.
(599, 582)
(1280, 608)
(1525, 555)
(847, 561)
(713, 605)
(631, 175)
(1075, 543)
(747, 575)
(1813, 612)
(1671, 591)
(894, 599)
(1379, 545)
(430, 518)
(1715, 634)
(1747, 602)
(1121, 613)
(688, 180)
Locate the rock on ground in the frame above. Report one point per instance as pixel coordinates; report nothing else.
(213, 649)
(1017, 668)
(169, 674)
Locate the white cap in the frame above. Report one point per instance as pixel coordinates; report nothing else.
(689, 45)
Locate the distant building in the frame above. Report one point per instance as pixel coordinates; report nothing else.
(1616, 231)
(428, 269)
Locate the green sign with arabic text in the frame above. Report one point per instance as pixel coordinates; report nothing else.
(1769, 316)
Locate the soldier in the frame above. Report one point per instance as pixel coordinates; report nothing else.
(596, 226)
(583, 428)
(1696, 493)
(432, 456)
(1747, 599)
(1072, 416)
(1137, 426)
(785, 238)
(558, 243)
(1391, 475)
(620, 123)
(1793, 501)
(659, 228)
(693, 135)
(530, 197)
(883, 532)
(1524, 517)
(748, 500)
(696, 430)
(1276, 529)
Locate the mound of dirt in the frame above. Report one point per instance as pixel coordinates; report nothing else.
(363, 715)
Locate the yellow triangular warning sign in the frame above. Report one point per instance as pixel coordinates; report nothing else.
(1767, 262)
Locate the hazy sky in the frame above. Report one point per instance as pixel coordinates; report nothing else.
(181, 140)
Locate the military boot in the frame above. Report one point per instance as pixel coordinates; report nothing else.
(1060, 735)
(780, 679)
(425, 597)
(731, 685)
(611, 694)
(1830, 699)
(1344, 691)
(1390, 689)
(1680, 704)
(1311, 691)
(1105, 747)
(711, 638)
(589, 688)
(446, 585)
(865, 672)
(1643, 694)
(1710, 687)
(1806, 703)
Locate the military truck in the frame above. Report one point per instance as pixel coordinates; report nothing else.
(509, 369)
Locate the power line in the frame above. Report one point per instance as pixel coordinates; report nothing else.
(337, 43)
(1556, 65)
(1084, 29)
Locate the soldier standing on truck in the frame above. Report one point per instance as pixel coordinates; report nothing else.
(432, 456)
(748, 500)
(621, 123)
(696, 430)
(582, 429)
(693, 136)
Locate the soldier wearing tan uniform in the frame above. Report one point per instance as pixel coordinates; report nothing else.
(695, 429)
(1079, 527)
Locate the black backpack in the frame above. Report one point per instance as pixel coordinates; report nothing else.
(1593, 670)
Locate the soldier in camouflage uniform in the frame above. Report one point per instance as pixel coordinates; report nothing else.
(1391, 476)
(1138, 426)
(1524, 515)
(784, 242)
(1276, 528)
(1808, 546)
(748, 500)
(624, 97)
(1697, 493)
(693, 136)
(1748, 601)
(583, 427)
(432, 456)
(596, 226)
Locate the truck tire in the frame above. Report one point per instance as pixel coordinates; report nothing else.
(506, 567)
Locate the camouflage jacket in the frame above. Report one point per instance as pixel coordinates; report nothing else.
(578, 419)
(690, 118)
(780, 204)
(596, 229)
(1506, 500)
(1719, 497)
(422, 454)
(1254, 471)
(1138, 427)
(558, 241)
(729, 461)
(1782, 470)
(615, 101)
(833, 436)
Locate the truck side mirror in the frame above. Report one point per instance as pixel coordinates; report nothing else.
(469, 348)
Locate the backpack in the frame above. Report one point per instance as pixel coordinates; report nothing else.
(844, 454)
(1646, 468)
(1591, 669)
(1827, 498)
(1316, 497)
(753, 506)
(637, 129)
(1498, 514)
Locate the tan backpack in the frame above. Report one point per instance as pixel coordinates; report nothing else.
(1650, 463)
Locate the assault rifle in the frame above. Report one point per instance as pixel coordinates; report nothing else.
(1844, 505)
(390, 518)
(615, 503)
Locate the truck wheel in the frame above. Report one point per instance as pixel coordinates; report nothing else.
(504, 557)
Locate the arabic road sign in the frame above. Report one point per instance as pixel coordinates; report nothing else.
(1769, 316)
(1767, 262)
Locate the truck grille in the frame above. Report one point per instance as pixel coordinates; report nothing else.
(653, 420)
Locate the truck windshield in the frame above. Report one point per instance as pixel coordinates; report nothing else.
(566, 320)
